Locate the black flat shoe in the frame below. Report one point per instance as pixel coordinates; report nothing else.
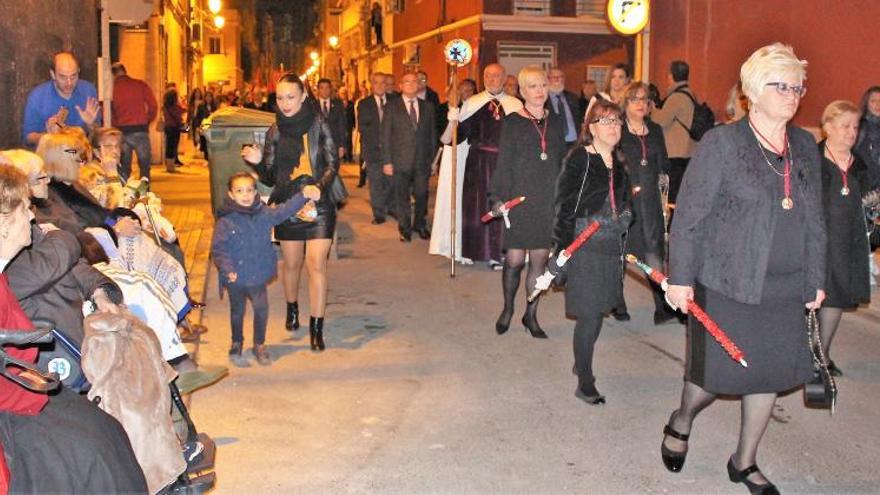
(623, 316)
(424, 233)
(672, 459)
(738, 476)
(405, 237)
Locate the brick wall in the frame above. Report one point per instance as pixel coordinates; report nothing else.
(32, 32)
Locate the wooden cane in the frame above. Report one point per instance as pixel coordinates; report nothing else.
(453, 102)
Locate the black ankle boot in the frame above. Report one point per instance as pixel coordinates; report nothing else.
(530, 320)
(316, 333)
(509, 285)
(292, 322)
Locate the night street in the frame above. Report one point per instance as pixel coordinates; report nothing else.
(416, 394)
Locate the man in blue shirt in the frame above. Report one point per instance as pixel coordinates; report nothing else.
(41, 112)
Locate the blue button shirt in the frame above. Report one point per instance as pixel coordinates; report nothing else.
(44, 102)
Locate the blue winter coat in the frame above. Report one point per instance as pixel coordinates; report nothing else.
(242, 242)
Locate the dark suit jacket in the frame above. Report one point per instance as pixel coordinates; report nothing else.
(577, 113)
(404, 146)
(336, 120)
(370, 129)
(725, 216)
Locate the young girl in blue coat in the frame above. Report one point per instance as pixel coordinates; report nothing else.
(242, 250)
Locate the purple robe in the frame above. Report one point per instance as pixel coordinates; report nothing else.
(480, 241)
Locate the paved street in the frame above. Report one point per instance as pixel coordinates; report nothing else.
(416, 394)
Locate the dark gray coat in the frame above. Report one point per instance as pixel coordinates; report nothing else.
(725, 217)
(51, 281)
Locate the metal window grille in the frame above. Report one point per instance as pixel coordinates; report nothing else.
(592, 8)
(514, 56)
(531, 7)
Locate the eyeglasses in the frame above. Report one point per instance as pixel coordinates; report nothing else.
(637, 99)
(79, 157)
(786, 89)
(609, 121)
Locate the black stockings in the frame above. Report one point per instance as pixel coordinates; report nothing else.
(586, 331)
(513, 266)
(755, 414)
(829, 319)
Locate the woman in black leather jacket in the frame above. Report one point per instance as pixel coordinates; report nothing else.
(299, 152)
(593, 186)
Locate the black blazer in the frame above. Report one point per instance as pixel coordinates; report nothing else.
(335, 120)
(577, 113)
(370, 129)
(724, 219)
(403, 145)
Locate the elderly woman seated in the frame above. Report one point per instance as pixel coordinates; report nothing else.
(58, 444)
(72, 207)
(48, 277)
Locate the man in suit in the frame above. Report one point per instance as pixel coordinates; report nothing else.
(334, 113)
(425, 91)
(565, 104)
(370, 113)
(409, 140)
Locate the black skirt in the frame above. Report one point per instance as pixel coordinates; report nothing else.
(772, 334)
(594, 274)
(322, 227)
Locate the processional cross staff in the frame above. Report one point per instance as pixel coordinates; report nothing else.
(458, 53)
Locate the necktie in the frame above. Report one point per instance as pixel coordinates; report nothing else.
(326, 108)
(413, 117)
(381, 107)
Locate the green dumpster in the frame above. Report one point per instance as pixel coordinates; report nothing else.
(226, 130)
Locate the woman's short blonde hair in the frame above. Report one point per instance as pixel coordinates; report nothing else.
(63, 153)
(27, 161)
(837, 108)
(530, 74)
(768, 64)
(13, 188)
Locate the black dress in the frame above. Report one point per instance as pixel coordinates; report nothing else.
(521, 172)
(595, 272)
(771, 334)
(847, 283)
(646, 232)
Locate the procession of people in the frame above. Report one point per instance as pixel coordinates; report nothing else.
(764, 233)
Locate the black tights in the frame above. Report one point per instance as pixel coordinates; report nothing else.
(829, 319)
(586, 331)
(755, 413)
(516, 260)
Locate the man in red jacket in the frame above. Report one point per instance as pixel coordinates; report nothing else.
(134, 107)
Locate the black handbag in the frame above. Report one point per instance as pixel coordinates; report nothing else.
(821, 391)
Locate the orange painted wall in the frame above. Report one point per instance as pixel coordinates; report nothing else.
(839, 39)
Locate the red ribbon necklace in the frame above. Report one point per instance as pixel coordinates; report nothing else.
(643, 140)
(844, 191)
(785, 153)
(542, 133)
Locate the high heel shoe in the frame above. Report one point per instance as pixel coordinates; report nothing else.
(292, 321)
(673, 460)
(738, 476)
(509, 284)
(530, 321)
(316, 333)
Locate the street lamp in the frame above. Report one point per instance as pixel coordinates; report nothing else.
(214, 6)
(313, 55)
(333, 41)
(219, 21)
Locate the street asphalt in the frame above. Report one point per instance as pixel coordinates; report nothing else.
(417, 394)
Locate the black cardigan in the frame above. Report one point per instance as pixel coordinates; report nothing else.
(725, 215)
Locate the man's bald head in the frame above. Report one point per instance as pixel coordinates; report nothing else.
(493, 78)
(65, 73)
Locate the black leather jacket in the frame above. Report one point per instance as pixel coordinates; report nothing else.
(323, 156)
